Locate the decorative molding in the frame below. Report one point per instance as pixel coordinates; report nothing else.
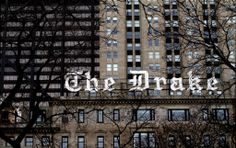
(142, 101)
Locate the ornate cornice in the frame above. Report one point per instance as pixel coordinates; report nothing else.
(142, 101)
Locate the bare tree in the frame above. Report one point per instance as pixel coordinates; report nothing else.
(40, 42)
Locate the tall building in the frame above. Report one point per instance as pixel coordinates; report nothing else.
(166, 39)
(46, 40)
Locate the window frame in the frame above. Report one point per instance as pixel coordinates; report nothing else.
(81, 113)
(64, 142)
(27, 142)
(100, 142)
(149, 137)
(171, 138)
(116, 115)
(171, 113)
(100, 116)
(216, 117)
(79, 142)
(151, 117)
(116, 141)
(47, 144)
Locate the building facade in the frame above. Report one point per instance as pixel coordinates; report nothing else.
(110, 39)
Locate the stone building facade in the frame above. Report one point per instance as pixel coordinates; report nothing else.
(165, 38)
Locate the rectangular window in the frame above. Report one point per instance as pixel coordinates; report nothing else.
(115, 20)
(100, 116)
(143, 114)
(137, 58)
(130, 58)
(178, 114)
(115, 67)
(171, 141)
(115, 55)
(144, 140)
(29, 141)
(149, 42)
(108, 19)
(81, 116)
(45, 141)
(110, 43)
(64, 141)
(109, 55)
(150, 55)
(205, 114)
(109, 67)
(156, 41)
(154, 67)
(220, 114)
(100, 142)
(116, 142)
(41, 117)
(206, 140)
(81, 142)
(112, 67)
(128, 23)
(157, 55)
(222, 141)
(64, 117)
(116, 115)
(187, 141)
(153, 55)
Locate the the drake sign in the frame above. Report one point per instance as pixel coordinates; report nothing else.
(139, 82)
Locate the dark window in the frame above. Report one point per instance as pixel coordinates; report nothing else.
(45, 141)
(129, 52)
(64, 141)
(220, 114)
(130, 64)
(41, 117)
(5, 116)
(116, 114)
(138, 64)
(156, 41)
(81, 142)
(65, 117)
(100, 117)
(178, 114)
(100, 142)
(187, 141)
(150, 42)
(144, 140)
(81, 116)
(29, 141)
(205, 114)
(116, 142)
(222, 141)
(171, 141)
(143, 114)
(206, 140)
(136, 29)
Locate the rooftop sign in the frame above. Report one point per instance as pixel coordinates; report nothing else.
(139, 82)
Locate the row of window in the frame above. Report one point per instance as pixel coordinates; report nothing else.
(206, 141)
(140, 140)
(29, 141)
(149, 115)
(46, 141)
